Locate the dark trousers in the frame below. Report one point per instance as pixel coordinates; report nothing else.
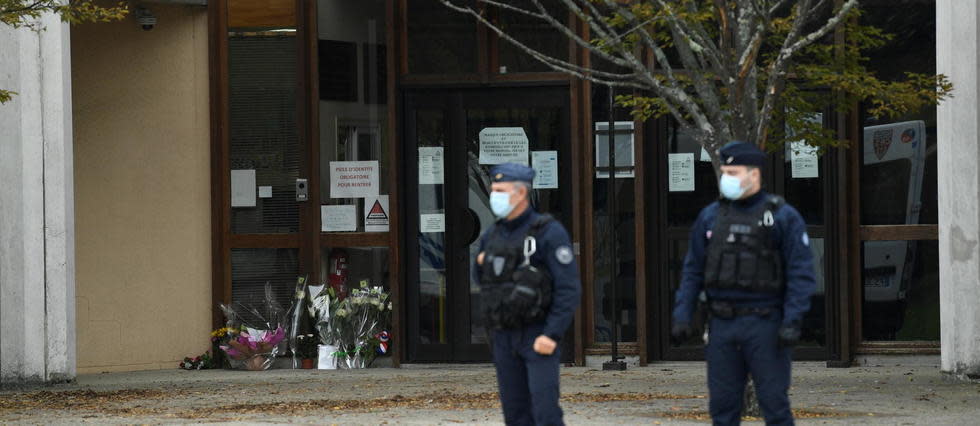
(527, 381)
(748, 344)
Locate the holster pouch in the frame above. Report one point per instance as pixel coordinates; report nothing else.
(721, 309)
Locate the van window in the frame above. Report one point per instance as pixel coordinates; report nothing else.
(884, 192)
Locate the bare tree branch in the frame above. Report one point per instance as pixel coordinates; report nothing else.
(792, 45)
(568, 32)
(700, 34)
(825, 29)
(505, 6)
(704, 84)
(716, 85)
(776, 6)
(601, 77)
(676, 89)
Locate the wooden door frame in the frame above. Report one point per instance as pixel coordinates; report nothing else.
(640, 196)
(223, 241)
(662, 235)
(401, 77)
(220, 185)
(453, 101)
(309, 240)
(858, 234)
(413, 351)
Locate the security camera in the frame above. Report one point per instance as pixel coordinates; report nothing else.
(145, 18)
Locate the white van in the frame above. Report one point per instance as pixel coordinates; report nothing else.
(894, 162)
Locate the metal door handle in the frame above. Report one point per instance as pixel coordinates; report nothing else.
(475, 226)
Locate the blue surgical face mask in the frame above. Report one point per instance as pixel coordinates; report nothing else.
(731, 187)
(500, 203)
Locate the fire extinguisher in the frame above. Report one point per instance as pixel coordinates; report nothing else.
(338, 273)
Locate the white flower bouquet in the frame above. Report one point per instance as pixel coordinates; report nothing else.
(351, 323)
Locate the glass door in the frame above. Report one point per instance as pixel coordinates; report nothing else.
(446, 133)
(263, 214)
(799, 175)
(427, 133)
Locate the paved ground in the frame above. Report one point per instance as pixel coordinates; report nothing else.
(671, 393)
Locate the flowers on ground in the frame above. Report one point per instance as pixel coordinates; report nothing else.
(250, 342)
(351, 323)
(254, 332)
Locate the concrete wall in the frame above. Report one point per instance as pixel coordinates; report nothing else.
(959, 187)
(142, 190)
(37, 310)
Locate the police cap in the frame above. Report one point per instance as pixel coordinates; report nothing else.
(511, 172)
(740, 153)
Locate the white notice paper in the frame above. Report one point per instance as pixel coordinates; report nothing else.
(681, 171)
(353, 179)
(431, 165)
(243, 188)
(376, 214)
(545, 165)
(265, 192)
(338, 218)
(804, 159)
(503, 145)
(432, 222)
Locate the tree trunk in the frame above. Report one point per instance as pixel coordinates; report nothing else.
(750, 402)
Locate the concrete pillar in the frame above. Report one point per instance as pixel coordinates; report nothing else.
(957, 48)
(37, 246)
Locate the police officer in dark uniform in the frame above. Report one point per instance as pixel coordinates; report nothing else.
(529, 289)
(750, 255)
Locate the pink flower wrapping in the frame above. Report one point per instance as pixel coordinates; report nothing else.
(251, 342)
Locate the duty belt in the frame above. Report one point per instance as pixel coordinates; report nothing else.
(728, 310)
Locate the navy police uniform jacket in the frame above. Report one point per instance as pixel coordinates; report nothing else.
(790, 239)
(554, 250)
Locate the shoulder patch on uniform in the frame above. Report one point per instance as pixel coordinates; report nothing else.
(564, 254)
(806, 239)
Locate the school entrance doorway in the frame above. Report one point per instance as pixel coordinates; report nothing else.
(452, 139)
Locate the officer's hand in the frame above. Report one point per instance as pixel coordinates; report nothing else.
(479, 258)
(679, 333)
(543, 345)
(789, 335)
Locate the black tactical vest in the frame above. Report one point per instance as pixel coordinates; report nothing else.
(741, 254)
(513, 291)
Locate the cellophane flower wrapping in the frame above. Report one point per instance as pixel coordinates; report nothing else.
(351, 323)
(300, 317)
(255, 332)
(324, 305)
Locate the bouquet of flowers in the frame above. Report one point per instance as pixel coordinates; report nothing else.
(324, 305)
(202, 362)
(351, 323)
(254, 333)
(256, 349)
(299, 318)
(306, 349)
(219, 337)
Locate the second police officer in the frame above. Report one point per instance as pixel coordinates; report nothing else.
(529, 290)
(750, 254)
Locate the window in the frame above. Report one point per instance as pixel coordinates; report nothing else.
(440, 40)
(620, 224)
(352, 112)
(899, 274)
